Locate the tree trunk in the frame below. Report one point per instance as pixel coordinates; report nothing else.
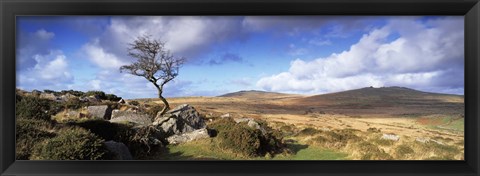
(167, 106)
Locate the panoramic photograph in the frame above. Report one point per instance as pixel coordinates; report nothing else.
(240, 88)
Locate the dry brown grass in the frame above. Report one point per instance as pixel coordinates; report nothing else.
(410, 118)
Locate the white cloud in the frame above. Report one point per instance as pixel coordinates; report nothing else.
(419, 58)
(44, 35)
(31, 44)
(50, 71)
(95, 84)
(100, 57)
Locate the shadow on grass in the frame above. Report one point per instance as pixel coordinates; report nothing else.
(166, 154)
(295, 147)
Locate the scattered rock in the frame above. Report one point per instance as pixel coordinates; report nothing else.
(189, 136)
(92, 98)
(119, 150)
(182, 119)
(149, 135)
(422, 140)
(428, 140)
(122, 101)
(130, 116)
(101, 111)
(67, 97)
(251, 123)
(239, 120)
(225, 115)
(392, 137)
(49, 96)
(36, 93)
(72, 114)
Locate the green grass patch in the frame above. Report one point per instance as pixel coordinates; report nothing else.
(449, 124)
(198, 150)
(311, 153)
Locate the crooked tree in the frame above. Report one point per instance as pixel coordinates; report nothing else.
(153, 62)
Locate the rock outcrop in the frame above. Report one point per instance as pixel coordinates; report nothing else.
(189, 136)
(251, 123)
(182, 119)
(49, 96)
(136, 118)
(101, 111)
(119, 150)
(391, 137)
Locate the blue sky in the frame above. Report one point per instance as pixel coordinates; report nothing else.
(303, 55)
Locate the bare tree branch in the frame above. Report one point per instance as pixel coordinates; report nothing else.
(154, 62)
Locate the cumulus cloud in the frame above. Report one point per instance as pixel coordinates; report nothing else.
(186, 36)
(50, 71)
(31, 44)
(100, 57)
(426, 56)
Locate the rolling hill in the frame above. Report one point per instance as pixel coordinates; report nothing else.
(256, 94)
(368, 100)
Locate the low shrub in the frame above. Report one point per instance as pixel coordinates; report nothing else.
(71, 144)
(99, 94)
(373, 130)
(309, 131)
(29, 133)
(105, 129)
(383, 142)
(134, 103)
(36, 108)
(241, 138)
(403, 150)
(51, 92)
(74, 103)
(369, 151)
(73, 92)
(145, 141)
(336, 139)
(140, 141)
(112, 97)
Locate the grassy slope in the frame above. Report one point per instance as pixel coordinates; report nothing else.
(205, 149)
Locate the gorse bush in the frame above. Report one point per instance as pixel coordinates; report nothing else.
(336, 139)
(99, 94)
(134, 103)
(308, 132)
(112, 97)
(370, 151)
(73, 92)
(243, 139)
(403, 150)
(36, 108)
(140, 141)
(74, 103)
(29, 133)
(71, 144)
(105, 129)
(51, 92)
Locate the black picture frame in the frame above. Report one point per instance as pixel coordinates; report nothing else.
(9, 9)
